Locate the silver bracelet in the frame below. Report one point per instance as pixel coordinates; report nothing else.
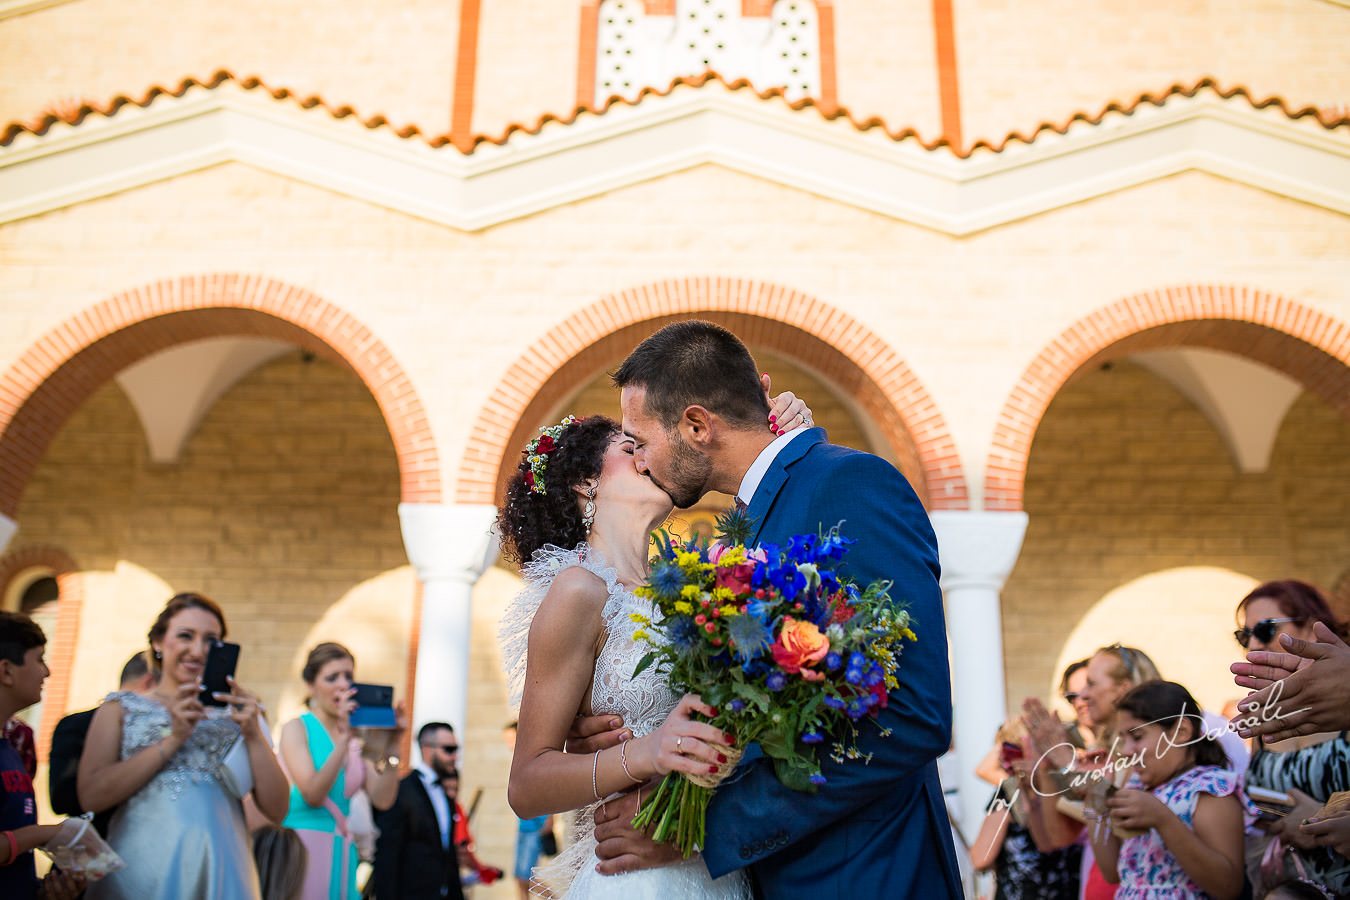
(623, 761)
(595, 764)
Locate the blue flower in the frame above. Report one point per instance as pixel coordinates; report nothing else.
(874, 678)
(834, 703)
(788, 580)
(776, 681)
(817, 779)
(829, 584)
(856, 708)
(749, 635)
(682, 631)
(761, 610)
(666, 580)
(736, 705)
(802, 548)
(853, 676)
(833, 661)
(812, 737)
(856, 660)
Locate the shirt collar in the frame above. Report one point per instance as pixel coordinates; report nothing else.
(755, 474)
(428, 777)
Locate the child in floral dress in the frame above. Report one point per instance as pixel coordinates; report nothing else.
(1189, 806)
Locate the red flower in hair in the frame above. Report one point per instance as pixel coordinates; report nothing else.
(545, 444)
(529, 479)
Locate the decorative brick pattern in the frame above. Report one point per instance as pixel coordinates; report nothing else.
(771, 316)
(1299, 341)
(61, 643)
(64, 367)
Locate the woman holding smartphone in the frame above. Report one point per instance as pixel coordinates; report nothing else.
(161, 754)
(326, 767)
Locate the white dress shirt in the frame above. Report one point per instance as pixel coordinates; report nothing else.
(755, 474)
(439, 801)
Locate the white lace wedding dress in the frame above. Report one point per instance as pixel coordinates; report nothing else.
(644, 702)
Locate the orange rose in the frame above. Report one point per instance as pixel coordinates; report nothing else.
(799, 644)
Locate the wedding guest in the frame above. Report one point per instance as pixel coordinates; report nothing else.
(22, 672)
(415, 854)
(1309, 768)
(1071, 686)
(324, 761)
(1112, 672)
(68, 743)
(163, 756)
(478, 872)
(1183, 801)
(1311, 678)
(282, 862)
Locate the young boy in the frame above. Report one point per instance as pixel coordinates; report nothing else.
(22, 671)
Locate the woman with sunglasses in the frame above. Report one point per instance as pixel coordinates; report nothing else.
(1111, 673)
(1309, 769)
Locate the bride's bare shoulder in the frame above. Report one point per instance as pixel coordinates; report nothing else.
(579, 588)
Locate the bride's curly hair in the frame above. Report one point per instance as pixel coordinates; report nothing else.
(529, 520)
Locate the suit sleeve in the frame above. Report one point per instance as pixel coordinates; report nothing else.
(67, 743)
(389, 845)
(895, 541)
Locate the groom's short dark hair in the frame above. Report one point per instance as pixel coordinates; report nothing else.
(696, 363)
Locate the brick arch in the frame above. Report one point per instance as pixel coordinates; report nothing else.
(56, 374)
(60, 644)
(802, 327)
(1306, 345)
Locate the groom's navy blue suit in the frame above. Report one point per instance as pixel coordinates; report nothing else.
(876, 830)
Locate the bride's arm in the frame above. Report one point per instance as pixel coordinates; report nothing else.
(565, 639)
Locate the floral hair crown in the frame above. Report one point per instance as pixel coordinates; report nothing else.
(537, 451)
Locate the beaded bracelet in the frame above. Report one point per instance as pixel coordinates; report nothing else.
(623, 761)
(595, 764)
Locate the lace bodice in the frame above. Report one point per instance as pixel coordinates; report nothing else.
(146, 722)
(644, 701)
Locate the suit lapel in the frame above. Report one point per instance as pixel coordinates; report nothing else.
(776, 477)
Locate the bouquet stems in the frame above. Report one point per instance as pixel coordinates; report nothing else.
(675, 813)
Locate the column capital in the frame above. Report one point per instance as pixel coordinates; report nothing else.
(7, 529)
(978, 548)
(454, 541)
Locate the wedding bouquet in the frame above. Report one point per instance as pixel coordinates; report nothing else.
(791, 657)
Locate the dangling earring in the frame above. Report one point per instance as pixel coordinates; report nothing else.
(588, 515)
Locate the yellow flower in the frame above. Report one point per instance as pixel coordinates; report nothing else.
(691, 592)
(723, 595)
(639, 618)
(731, 557)
(684, 606)
(731, 610)
(640, 635)
(909, 634)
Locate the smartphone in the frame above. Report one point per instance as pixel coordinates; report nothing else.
(374, 706)
(221, 661)
(1008, 754)
(1270, 804)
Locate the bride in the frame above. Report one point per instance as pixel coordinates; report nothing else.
(578, 517)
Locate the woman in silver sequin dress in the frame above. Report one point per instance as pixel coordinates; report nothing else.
(180, 826)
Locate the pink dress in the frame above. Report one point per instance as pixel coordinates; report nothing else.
(1148, 870)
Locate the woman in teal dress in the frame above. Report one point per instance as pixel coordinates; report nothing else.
(324, 761)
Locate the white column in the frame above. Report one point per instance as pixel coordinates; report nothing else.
(450, 545)
(977, 551)
(7, 528)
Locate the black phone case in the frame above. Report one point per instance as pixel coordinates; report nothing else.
(221, 661)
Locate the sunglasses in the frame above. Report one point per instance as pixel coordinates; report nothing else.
(1263, 631)
(449, 748)
(1072, 697)
(1127, 658)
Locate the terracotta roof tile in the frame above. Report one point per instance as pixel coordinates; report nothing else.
(75, 112)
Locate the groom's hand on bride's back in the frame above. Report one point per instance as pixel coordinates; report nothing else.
(591, 733)
(620, 847)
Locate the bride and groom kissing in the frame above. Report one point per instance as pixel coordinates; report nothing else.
(579, 510)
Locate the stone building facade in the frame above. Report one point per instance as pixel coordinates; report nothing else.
(284, 291)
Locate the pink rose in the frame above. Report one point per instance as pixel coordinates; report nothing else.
(800, 644)
(715, 552)
(736, 578)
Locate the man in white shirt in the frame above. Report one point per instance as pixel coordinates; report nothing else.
(415, 857)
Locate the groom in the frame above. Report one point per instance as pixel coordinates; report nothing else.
(694, 407)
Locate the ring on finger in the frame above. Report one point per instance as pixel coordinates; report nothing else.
(679, 744)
